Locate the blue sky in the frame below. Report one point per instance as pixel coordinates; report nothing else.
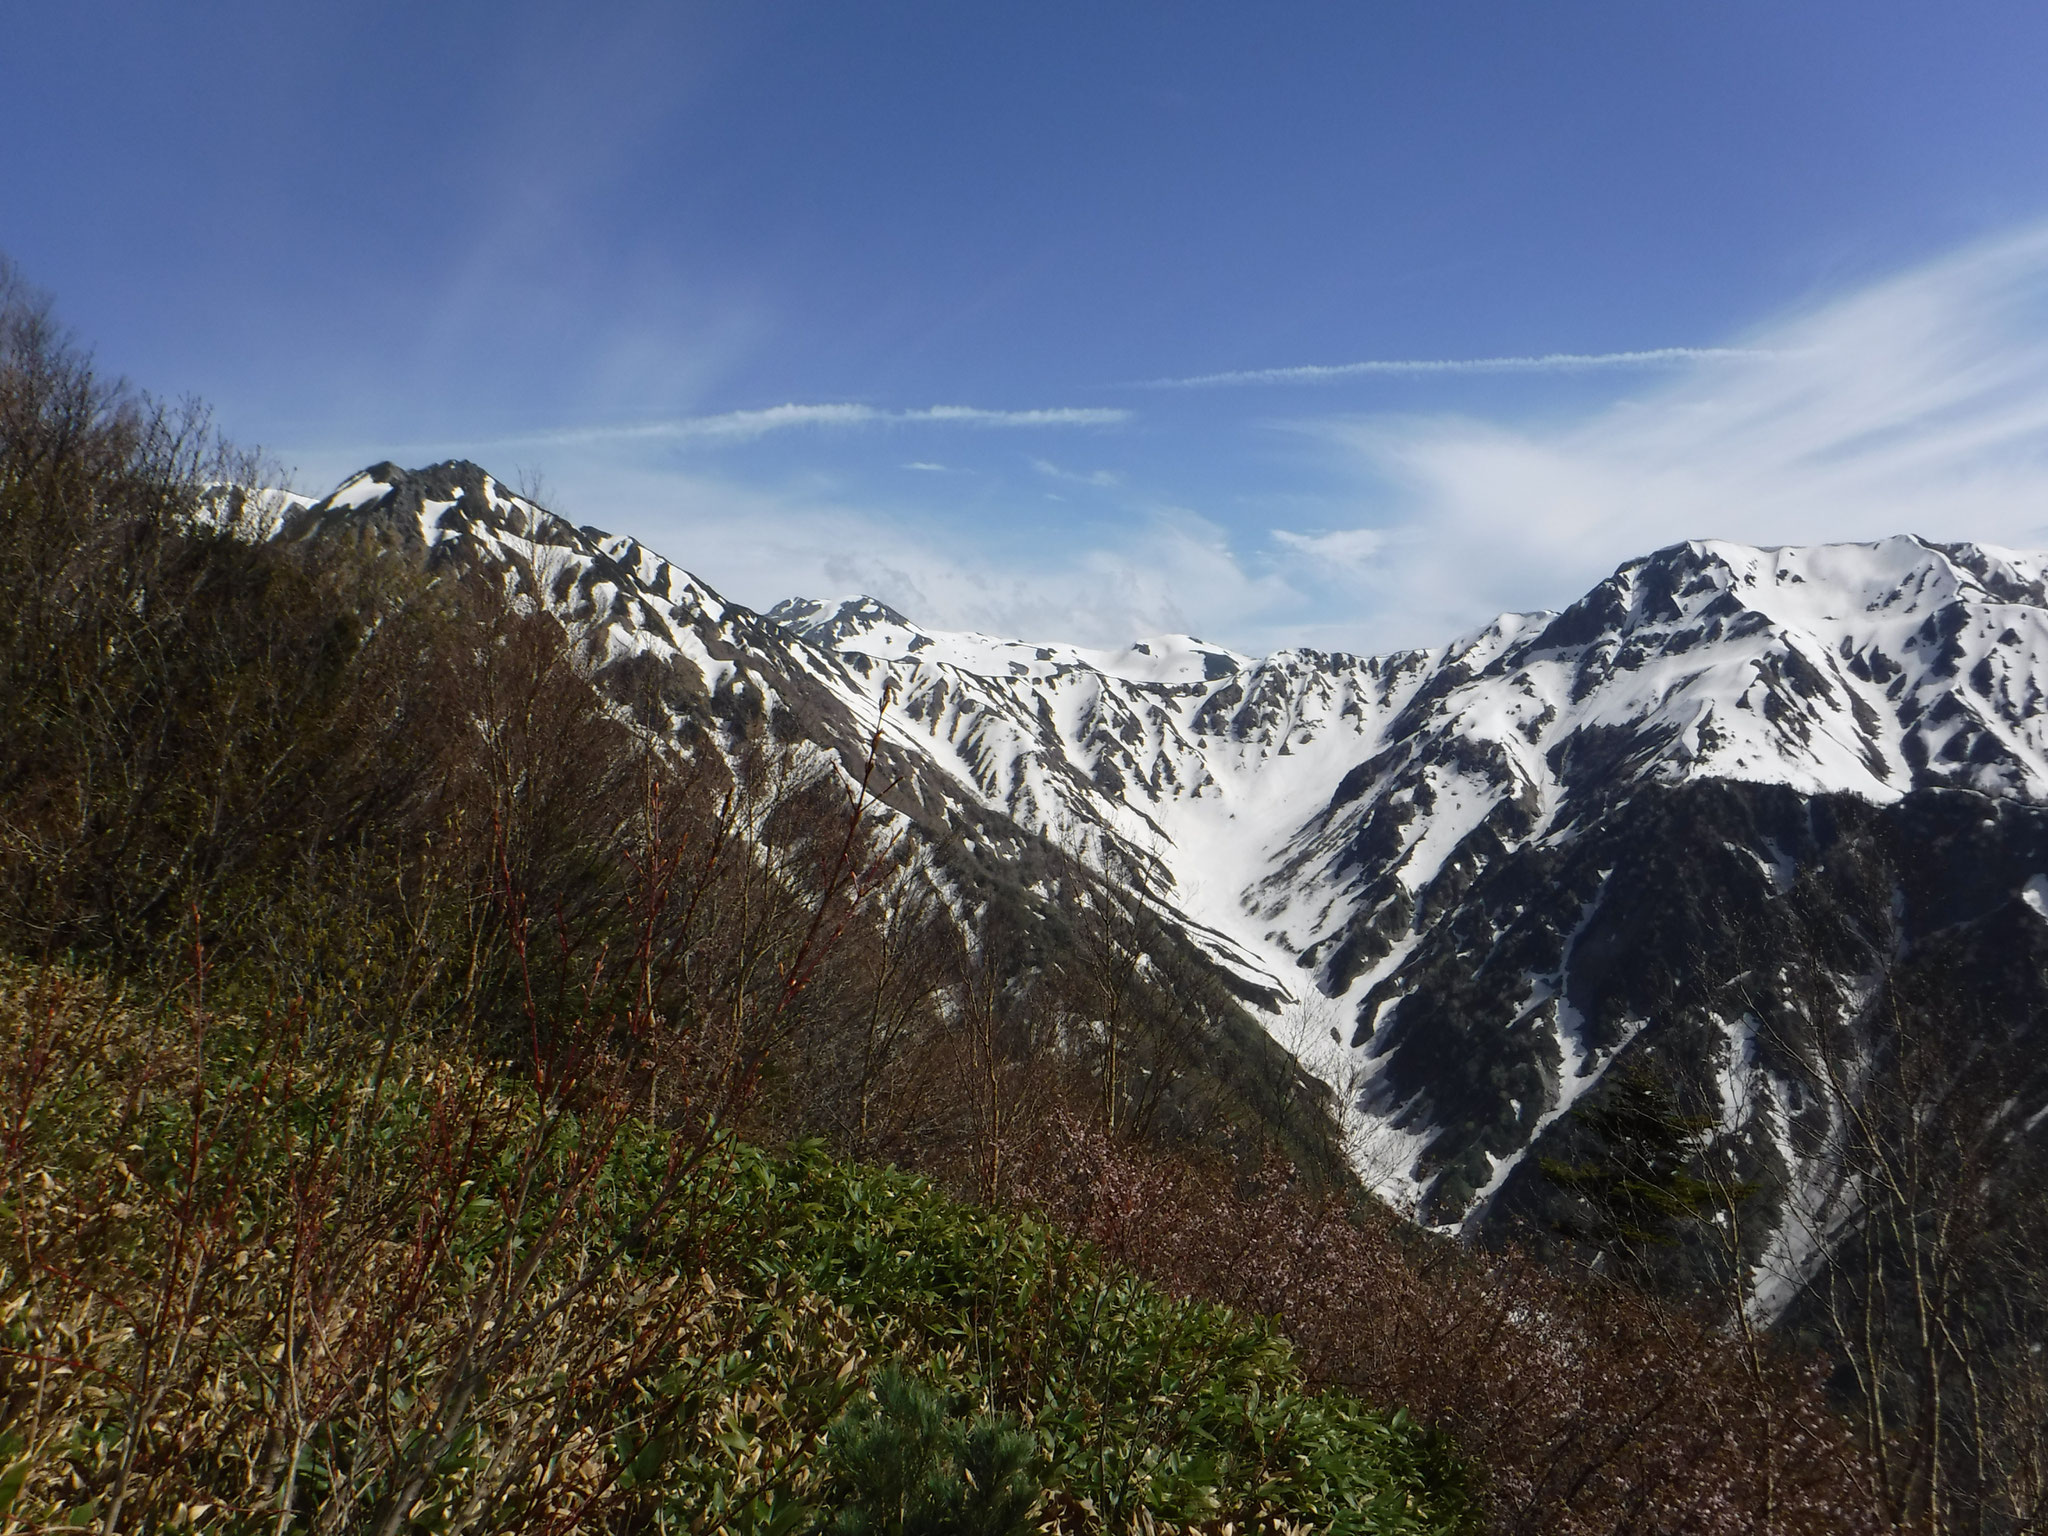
(827, 297)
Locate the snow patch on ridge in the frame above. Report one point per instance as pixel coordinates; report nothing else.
(358, 491)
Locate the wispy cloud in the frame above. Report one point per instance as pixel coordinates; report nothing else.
(1164, 569)
(746, 426)
(1548, 362)
(1351, 548)
(1915, 404)
(1918, 404)
(1101, 479)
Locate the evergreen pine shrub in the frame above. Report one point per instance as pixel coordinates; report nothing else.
(905, 1466)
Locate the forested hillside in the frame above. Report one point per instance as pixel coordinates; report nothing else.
(448, 1081)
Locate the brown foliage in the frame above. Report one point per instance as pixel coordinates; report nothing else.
(1590, 1408)
(1931, 1298)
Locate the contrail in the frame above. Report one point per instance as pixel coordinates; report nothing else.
(1548, 362)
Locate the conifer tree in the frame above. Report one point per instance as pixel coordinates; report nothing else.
(1638, 1193)
(905, 1466)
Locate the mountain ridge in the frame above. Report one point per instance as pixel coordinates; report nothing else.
(1358, 839)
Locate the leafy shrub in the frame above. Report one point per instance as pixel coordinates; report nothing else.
(1138, 1401)
(252, 1282)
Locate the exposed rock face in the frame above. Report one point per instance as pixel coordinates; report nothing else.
(1693, 815)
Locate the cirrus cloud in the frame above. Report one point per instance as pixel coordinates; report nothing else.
(1350, 548)
(746, 426)
(1546, 362)
(1918, 404)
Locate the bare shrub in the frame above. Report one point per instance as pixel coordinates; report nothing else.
(1588, 1407)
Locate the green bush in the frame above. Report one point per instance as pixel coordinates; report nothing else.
(251, 1283)
(1140, 1404)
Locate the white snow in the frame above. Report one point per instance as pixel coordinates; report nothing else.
(1852, 668)
(358, 491)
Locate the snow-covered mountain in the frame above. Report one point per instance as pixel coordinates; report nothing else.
(1695, 813)
(1340, 782)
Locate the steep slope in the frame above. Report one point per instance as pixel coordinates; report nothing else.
(1695, 817)
(664, 643)
(714, 676)
(1508, 859)
(1350, 784)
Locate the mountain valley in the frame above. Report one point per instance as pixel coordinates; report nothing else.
(1700, 818)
